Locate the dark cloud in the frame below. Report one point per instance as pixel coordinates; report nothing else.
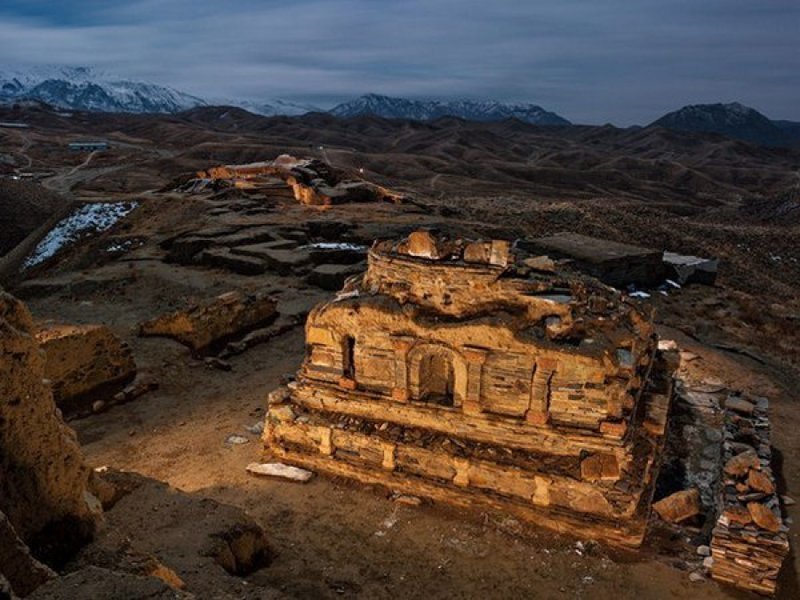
(615, 60)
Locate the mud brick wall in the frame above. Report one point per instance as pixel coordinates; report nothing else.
(448, 287)
(82, 359)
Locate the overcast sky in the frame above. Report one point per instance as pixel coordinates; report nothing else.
(592, 61)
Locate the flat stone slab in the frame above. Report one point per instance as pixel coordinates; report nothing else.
(254, 235)
(280, 470)
(613, 263)
(691, 269)
(740, 405)
(286, 262)
(262, 249)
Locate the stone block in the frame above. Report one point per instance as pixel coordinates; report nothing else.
(214, 323)
(600, 467)
(85, 362)
(477, 252)
(740, 464)
(679, 506)
(423, 244)
(287, 262)
(613, 263)
(691, 269)
(764, 517)
(225, 259)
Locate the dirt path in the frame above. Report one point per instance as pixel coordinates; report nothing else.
(23, 151)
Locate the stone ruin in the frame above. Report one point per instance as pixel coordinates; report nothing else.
(69, 532)
(456, 371)
(44, 503)
(84, 363)
(479, 375)
(309, 181)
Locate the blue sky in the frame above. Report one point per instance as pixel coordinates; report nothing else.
(592, 61)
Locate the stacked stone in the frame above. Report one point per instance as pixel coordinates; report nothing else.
(749, 542)
(699, 421)
(450, 372)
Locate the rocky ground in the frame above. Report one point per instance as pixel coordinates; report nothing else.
(199, 429)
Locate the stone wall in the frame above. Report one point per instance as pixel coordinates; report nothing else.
(209, 326)
(83, 360)
(508, 376)
(43, 483)
(596, 486)
(749, 542)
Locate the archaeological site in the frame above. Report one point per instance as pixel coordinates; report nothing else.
(328, 356)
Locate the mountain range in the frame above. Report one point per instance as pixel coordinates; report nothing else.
(426, 110)
(83, 88)
(87, 89)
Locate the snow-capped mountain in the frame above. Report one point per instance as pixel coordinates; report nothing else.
(83, 88)
(733, 120)
(423, 110)
(272, 108)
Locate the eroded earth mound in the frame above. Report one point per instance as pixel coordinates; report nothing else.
(24, 206)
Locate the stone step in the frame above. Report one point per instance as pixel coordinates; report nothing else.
(225, 259)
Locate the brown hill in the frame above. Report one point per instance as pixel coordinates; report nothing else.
(24, 206)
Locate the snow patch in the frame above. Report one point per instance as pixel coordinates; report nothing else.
(337, 246)
(84, 221)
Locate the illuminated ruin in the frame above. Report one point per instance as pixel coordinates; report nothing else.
(309, 181)
(460, 372)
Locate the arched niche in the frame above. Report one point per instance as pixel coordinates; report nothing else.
(437, 375)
